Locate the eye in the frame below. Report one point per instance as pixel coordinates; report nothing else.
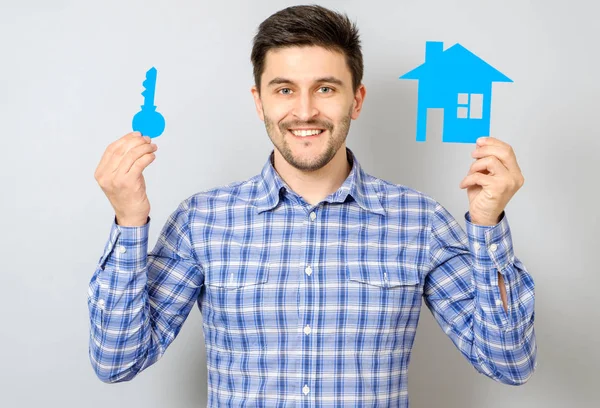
(283, 89)
(326, 87)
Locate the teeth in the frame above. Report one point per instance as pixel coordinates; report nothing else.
(306, 132)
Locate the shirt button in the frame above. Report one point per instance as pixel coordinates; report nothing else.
(493, 247)
(476, 245)
(313, 215)
(499, 302)
(307, 329)
(308, 270)
(122, 249)
(305, 389)
(101, 303)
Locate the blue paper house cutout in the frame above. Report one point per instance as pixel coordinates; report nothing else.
(459, 82)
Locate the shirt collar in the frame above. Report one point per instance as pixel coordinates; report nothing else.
(271, 186)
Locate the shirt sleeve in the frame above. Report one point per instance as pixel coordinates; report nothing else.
(461, 291)
(138, 300)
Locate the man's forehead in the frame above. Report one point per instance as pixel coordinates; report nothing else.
(295, 65)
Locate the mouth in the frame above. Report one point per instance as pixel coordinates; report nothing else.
(306, 134)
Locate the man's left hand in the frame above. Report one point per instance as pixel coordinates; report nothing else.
(492, 180)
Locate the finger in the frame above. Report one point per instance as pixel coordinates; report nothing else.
(491, 164)
(129, 142)
(476, 179)
(491, 141)
(140, 164)
(504, 154)
(125, 166)
(111, 148)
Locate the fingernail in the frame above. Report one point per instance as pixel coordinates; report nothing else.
(147, 138)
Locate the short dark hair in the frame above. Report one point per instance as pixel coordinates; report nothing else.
(307, 25)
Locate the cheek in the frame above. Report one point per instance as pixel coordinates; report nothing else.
(276, 113)
(338, 113)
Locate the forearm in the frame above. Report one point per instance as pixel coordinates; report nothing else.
(489, 223)
(504, 337)
(120, 343)
(138, 300)
(504, 345)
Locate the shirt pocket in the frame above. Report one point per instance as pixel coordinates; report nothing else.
(383, 304)
(237, 296)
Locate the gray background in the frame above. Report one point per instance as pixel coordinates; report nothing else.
(70, 83)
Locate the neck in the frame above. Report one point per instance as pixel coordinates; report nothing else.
(314, 186)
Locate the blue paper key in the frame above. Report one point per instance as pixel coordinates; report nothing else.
(148, 121)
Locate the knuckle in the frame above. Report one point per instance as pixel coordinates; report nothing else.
(130, 154)
(118, 183)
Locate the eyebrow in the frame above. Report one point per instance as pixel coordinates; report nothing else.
(280, 80)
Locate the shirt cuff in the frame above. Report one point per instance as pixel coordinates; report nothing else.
(492, 245)
(127, 247)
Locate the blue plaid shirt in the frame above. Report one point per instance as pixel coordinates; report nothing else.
(311, 305)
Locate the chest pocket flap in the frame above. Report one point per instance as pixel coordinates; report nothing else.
(235, 275)
(388, 273)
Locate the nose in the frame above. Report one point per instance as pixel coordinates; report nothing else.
(305, 108)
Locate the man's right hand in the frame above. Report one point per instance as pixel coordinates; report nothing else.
(119, 175)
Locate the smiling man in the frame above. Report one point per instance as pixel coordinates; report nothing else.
(310, 275)
(307, 103)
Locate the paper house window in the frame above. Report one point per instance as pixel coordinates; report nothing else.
(470, 106)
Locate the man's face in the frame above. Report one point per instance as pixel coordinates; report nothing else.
(307, 88)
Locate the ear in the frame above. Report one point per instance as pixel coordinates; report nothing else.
(359, 98)
(257, 103)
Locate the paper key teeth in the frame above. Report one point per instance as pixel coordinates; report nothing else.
(149, 83)
(150, 86)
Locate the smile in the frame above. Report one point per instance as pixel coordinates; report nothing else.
(306, 132)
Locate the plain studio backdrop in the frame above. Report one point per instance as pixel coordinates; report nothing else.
(71, 80)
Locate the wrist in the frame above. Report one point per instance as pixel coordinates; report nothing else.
(131, 222)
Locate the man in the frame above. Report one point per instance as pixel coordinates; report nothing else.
(310, 275)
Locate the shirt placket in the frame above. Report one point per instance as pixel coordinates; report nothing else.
(307, 270)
